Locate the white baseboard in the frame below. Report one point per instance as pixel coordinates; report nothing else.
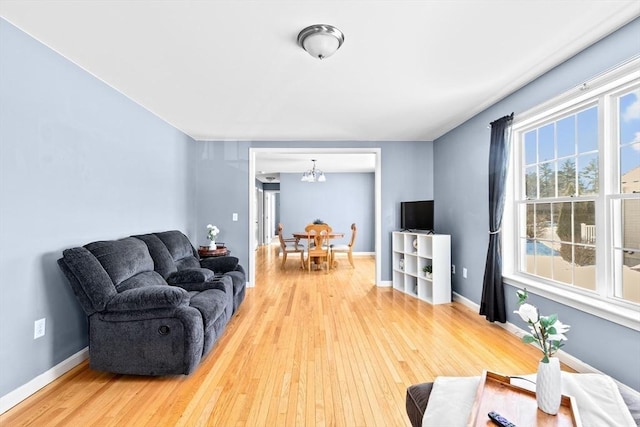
(564, 357)
(16, 396)
(385, 284)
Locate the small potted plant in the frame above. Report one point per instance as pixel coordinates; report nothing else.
(428, 271)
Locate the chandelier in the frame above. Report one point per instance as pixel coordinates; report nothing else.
(313, 174)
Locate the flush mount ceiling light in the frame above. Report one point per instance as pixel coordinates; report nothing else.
(313, 174)
(321, 40)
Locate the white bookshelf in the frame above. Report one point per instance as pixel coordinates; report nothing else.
(411, 251)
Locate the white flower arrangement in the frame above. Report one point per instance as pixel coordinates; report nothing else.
(547, 332)
(212, 232)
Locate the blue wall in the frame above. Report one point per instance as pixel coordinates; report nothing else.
(79, 162)
(461, 194)
(343, 199)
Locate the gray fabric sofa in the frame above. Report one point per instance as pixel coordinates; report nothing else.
(148, 316)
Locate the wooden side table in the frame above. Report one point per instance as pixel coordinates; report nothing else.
(206, 252)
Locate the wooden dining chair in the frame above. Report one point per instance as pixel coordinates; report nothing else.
(318, 244)
(348, 249)
(288, 246)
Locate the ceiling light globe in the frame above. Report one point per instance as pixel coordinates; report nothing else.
(320, 40)
(321, 45)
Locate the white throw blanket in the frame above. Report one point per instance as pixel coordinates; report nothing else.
(597, 397)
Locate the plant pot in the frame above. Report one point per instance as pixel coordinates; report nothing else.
(428, 275)
(212, 245)
(549, 386)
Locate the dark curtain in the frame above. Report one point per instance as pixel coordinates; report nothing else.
(492, 304)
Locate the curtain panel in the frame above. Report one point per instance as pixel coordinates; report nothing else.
(492, 304)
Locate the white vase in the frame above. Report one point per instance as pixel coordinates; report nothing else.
(549, 386)
(212, 244)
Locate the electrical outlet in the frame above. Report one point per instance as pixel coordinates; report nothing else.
(464, 272)
(39, 328)
(453, 269)
(235, 216)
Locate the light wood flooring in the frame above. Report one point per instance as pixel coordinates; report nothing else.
(304, 349)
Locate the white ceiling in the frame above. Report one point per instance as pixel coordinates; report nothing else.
(231, 70)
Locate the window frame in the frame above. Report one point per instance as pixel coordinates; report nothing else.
(600, 302)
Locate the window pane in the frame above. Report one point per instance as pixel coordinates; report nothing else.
(631, 277)
(588, 130)
(563, 229)
(585, 267)
(545, 143)
(562, 269)
(567, 178)
(588, 174)
(530, 148)
(584, 217)
(531, 221)
(631, 225)
(531, 184)
(556, 209)
(543, 219)
(630, 167)
(547, 180)
(527, 247)
(566, 129)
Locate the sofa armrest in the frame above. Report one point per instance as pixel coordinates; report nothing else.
(222, 264)
(150, 297)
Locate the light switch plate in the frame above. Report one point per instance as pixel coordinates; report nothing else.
(235, 216)
(464, 272)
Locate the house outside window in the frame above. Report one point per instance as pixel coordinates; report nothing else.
(572, 219)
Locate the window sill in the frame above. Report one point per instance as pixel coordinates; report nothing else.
(617, 313)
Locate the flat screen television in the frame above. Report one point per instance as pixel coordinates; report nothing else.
(417, 215)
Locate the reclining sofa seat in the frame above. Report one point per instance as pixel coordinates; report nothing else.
(177, 261)
(138, 324)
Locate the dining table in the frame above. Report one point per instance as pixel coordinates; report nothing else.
(302, 235)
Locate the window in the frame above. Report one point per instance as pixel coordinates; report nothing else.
(573, 210)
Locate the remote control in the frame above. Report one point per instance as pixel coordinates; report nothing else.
(500, 420)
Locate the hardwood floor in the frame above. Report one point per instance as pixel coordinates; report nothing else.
(303, 349)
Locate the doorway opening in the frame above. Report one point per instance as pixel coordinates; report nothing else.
(255, 225)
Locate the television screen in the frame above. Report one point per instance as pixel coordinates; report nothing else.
(416, 215)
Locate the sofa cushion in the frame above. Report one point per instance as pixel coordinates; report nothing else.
(122, 258)
(89, 280)
(162, 260)
(211, 304)
(180, 248)
(147, 278)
